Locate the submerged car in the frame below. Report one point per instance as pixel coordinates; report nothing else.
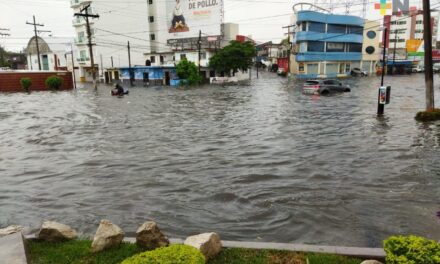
(358, 72)
(325, 87)
(282, 72)
(418, 68)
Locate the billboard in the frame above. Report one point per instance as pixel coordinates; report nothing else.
(185, 18)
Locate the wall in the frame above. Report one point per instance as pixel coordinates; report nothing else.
(10, 80)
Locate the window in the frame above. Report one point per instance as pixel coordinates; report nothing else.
(371, 34)
(151, 19)
(301, 67)
(317, 27)
(161, 59)
(338, 29)
(152, 37)
(332, 82)
(83, 54)
(347, 67)
(355, 30)
(335, 47)
(419, 22)
(183, 56)
(315, 46)
(303, 47)
(312, 68)
(332, 68)
(304, 26)
(150, 2)
(203, 55)
(153, 59)
(354, 47)
(370, 50)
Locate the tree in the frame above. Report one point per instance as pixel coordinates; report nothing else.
(187, 70)
(234, 57)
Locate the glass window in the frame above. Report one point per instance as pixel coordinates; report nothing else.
(150, 2)
(339, 29)
(312, 68)
(371, 34)
(356, 30)
(315, 46)
(347, 67)
(152, 37)
(317, 27)
(370, 50)
(332, 68)
(335, 47)
(153, 59)
(151, 18)
(303, 47)
(182, 56)
(301, 67)
(354, 47)
(304, 26)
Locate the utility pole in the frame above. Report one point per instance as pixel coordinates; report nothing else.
(394, 52)
(381, 107)
(1, 50)
(36, 39)
(289, 51)
(112, 61)
(102, 66)
(86, 15)
(129, 64)
(200, 49)
(73, 66)
(427, 36)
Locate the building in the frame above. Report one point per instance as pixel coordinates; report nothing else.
(110, 37)
(53, 54)
(326, 45)
(161, 33)
(371, 50)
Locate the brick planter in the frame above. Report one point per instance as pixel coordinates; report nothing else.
(10, 80)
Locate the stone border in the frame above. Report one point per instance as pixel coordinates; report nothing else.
(360, 252)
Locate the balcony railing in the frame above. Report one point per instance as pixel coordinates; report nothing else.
(83, 59)
(83, 41)
(76, 3)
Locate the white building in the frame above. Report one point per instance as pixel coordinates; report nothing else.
(118, 23)
(53, 54)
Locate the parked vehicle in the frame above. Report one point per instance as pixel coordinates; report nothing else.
(282, 72)
(325, 87)
(436, 67)
(417, 68)
(358, 72)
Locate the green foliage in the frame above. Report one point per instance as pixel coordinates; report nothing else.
(54, 82)
(257, 256)
(234, 57)
(175, 254)
(26, 83)
(78, 252)
(187, 70)
(427, 116)
(411, 250)
(331, 259)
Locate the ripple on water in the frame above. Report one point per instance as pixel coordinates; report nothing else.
(260, 162)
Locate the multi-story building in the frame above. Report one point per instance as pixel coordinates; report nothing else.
(371, 51)
(110, 36)
(402, 28)
(326, 45)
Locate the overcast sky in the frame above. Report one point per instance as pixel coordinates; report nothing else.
(57, 16)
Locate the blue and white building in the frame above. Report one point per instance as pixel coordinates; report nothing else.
(326, 45)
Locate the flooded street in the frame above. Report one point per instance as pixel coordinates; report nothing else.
(254, 163)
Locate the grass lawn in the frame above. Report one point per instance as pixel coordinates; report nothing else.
(78, 252)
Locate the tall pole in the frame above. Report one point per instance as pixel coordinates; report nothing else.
(89, 36)
(129, 63)
(36, 40)
(112, 60)
(394, 52)
(427, 36)
(102, 65)
(381, 107)
(73, 66)
(200, 49)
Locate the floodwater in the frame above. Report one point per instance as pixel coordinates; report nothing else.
(254, 163)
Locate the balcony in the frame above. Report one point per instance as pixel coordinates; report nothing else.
(83, 41)
(328, 56)
(77, 22)
(83, 60)
(77, 3)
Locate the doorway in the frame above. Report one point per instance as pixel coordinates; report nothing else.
(167, 78)
(45, 63)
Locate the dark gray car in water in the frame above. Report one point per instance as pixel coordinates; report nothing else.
(325, 87)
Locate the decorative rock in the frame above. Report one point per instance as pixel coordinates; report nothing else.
(10, 230)
(108, 235)
(149, 236)
(371, 262)
(55, 232)
(209, 244)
